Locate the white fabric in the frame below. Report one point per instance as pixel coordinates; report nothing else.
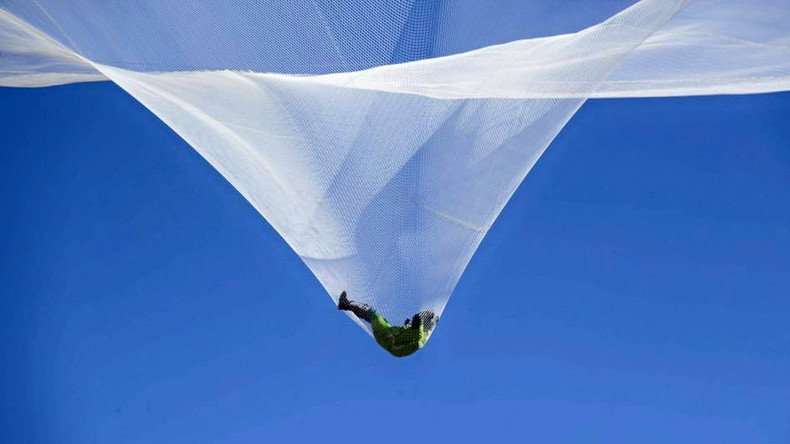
(382, 164)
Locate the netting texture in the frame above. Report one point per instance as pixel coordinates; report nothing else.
(382, 139)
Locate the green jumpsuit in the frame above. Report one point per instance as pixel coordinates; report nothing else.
(400, 341)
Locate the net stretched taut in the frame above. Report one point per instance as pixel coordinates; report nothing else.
(382, 139)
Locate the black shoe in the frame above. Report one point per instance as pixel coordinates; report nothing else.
(343, 303)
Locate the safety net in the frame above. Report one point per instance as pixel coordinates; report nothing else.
(381, 139)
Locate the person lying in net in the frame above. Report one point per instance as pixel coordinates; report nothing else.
(400, 341)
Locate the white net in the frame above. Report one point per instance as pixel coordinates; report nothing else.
(382, 139)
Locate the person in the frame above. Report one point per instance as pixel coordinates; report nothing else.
(400, 341)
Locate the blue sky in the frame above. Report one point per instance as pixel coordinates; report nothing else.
(635, 289)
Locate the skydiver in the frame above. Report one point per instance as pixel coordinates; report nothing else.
(400, 341)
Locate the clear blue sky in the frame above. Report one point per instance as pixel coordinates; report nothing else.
(635, 290)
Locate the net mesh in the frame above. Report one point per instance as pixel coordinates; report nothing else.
(382, 139)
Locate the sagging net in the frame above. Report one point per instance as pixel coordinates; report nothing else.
(382, 139)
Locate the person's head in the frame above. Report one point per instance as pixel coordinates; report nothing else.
(426, 318)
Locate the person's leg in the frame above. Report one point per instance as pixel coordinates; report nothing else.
(360, 310)
(379, 323)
